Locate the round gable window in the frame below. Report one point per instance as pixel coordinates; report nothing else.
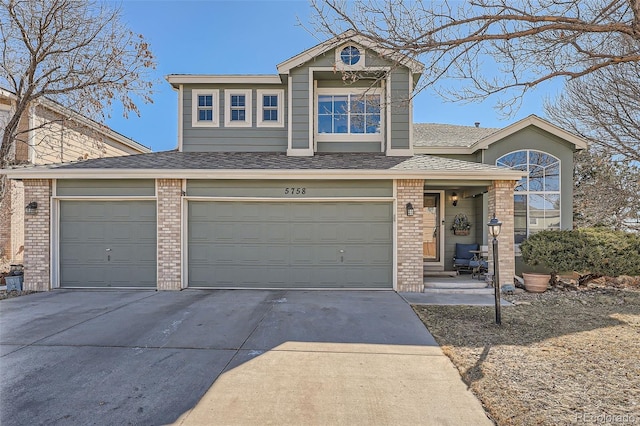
(350, 55)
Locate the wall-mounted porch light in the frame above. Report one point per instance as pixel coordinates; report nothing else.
(454, 198)
(31, 208)
(409, 209)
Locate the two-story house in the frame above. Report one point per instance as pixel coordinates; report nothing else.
(49, 133)
(314, 177)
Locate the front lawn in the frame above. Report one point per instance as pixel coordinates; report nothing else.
(562, 357)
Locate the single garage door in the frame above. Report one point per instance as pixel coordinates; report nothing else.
(107, 244)
(290, 244)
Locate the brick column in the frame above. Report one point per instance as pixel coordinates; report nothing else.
(169, 234)
(37, 242)
(410, 235)
(501, 204)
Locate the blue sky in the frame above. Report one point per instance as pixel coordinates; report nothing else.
(249, 37)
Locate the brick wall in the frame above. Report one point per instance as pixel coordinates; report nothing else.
(37, 275)
(501, 204)
(5, 223)
(169, 234)
(410, 235)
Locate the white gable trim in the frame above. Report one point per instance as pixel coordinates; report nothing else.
(340, 40)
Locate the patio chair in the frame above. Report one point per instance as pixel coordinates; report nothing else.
(463, 256)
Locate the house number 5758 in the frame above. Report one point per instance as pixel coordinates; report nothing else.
(295, 191)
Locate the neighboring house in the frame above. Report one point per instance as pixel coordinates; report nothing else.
(49, 133)
(314, 177)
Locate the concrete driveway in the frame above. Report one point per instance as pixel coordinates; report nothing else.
(224, 357)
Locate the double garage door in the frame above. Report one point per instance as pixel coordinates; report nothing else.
(231, 244)
(290, 244)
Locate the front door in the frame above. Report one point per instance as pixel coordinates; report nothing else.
(432, 232)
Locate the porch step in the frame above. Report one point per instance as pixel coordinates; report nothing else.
(431, 273)
(456, 285)
(453, 284)
(485, 290)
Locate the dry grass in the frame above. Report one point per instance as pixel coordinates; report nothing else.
(559, 358)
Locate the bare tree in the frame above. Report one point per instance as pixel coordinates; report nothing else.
(500, 47)
(606, 192)
(604, 108)
(78, 54)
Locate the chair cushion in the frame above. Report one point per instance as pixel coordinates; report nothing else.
(463, 250)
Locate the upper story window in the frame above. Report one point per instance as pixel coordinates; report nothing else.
(537, 196)
(237, 108)
(204, 108)
(270, 108)
(356, 114)
(350, 55)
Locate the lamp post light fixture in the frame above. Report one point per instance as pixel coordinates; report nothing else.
(410, 209)
(31, 208)
(494, 230)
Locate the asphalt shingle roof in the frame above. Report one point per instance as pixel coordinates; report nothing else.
(174, 160)
(448, 135)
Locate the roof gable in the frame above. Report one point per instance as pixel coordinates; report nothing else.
(454, 139)
(532, 120)
(348, 36)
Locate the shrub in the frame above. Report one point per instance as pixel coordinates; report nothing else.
(596, 251)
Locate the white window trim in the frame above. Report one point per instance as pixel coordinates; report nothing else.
(248, 107)
(194, 108)
(260, 103)
(528, 193)
(350, 137)
(341, 66)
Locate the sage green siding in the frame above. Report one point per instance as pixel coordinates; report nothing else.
(400, 117)
(301, 137)
(233, 139)
(349, 146)
(534, 138)
(106, 187)
(472, 207)
(303, 133)
(290, 244)
(282, 188)
(108, 243)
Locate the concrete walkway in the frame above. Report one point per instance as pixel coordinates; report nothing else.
(224, 357)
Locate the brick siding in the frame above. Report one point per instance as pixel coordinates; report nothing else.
(169, 234)
(501, 204)
(410, 265)
(37, 275)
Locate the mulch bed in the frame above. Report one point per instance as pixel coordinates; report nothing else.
(560, 357)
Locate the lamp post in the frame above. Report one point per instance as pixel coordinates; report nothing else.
(494, 230)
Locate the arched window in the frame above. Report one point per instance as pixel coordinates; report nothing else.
(537, 196)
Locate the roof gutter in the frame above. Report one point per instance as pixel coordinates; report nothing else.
(321, 174)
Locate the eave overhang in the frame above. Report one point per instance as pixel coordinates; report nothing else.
(316, 174)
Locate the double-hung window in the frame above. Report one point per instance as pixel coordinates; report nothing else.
(204, 108)
(237, 108)
(270, 111)
(355, 114)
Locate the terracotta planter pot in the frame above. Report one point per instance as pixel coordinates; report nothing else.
(461, 232)
(536, 283)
